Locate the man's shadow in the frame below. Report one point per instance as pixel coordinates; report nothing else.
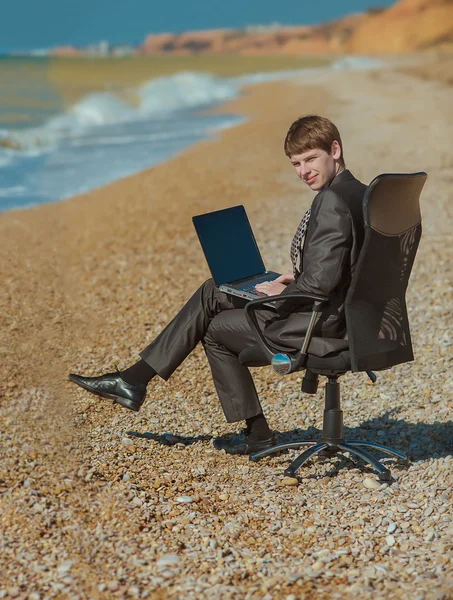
(170, 439)
(420, 441)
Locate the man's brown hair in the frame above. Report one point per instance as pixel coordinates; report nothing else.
(312, 132)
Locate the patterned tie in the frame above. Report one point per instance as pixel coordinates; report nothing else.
(296, 244)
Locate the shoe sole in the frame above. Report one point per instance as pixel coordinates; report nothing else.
(247, 450)
(118, 399)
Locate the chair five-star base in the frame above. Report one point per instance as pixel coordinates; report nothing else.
(332, 441)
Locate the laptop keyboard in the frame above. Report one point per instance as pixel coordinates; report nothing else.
(252, 289)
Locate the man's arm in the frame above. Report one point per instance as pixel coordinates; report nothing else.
(326, 253)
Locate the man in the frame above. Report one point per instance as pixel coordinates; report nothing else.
(324, 252)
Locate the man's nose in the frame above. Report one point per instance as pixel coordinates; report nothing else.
(304, 170)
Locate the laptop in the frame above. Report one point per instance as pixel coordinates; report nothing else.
(232, 253)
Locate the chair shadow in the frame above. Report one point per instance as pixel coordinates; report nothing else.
(421, 441)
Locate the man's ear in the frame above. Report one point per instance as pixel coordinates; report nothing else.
(335, 150)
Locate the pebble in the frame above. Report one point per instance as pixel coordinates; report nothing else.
(169, 560)
(64, 567)
(390, 540)
(371, 484)
(113, 586)
(429, 536)
(136, 501)
(288, 481)
(184, 499)
(133, 591)
(392, 526)
(127, 442)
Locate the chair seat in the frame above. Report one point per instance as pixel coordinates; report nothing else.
(253, 356)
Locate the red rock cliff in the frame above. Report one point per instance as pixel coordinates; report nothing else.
(406, 26)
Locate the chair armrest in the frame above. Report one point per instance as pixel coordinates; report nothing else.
(255, 305)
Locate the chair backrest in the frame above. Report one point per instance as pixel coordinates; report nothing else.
(376, 314)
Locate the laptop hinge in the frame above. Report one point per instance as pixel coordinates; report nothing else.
(237, 281)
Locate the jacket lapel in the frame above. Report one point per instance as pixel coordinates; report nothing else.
(345, 175)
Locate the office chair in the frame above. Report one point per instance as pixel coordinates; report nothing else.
(378, 335)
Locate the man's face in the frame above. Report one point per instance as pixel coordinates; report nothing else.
(316, 167)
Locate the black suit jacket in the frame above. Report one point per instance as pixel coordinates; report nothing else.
(332, 245)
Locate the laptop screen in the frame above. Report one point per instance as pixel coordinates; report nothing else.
(229, 244)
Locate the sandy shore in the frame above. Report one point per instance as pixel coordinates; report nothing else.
(84, 281)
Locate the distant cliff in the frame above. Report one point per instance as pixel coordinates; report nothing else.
(320, 39)
(407, 26)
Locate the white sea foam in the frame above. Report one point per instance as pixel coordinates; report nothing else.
(95, 109)
(6, 157)
(15, 190)
(356, 63)
(184, 90)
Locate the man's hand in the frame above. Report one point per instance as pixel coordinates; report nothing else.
(286, 278)
(276, 287)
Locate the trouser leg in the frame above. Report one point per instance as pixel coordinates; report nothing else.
(227, 335)
(182, 334)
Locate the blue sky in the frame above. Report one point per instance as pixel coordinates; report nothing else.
(31, 24)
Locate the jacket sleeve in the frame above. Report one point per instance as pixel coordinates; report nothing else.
(327, 251)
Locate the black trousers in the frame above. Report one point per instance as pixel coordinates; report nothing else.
(218, 321)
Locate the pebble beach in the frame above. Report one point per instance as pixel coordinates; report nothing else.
(101, 503)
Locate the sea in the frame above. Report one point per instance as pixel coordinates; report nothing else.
(49, 153)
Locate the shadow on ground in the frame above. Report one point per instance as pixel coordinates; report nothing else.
(420, 441)
(170, 439)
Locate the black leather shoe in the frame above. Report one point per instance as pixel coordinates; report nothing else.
(241, 444)
(111, 385)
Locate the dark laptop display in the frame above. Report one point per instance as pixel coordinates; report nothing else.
(229, 245)
(232, 252)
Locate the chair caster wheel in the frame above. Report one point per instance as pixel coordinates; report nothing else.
(289, 473)
(253, 458)
(402, 461)
(386, 476)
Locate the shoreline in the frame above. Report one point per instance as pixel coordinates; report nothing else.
(85, 285)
